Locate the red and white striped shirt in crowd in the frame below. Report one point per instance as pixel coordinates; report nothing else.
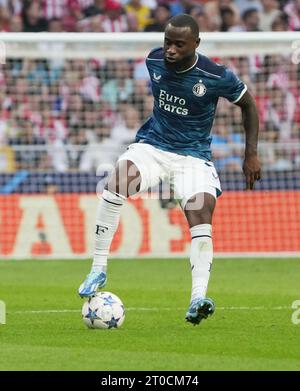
(60, 8)
(114, 25)
(15, 6)
(85, 3)
(294, 16)
(54, 8)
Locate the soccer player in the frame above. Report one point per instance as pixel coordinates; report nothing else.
(174, 143)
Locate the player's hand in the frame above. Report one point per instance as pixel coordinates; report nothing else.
(252, 170)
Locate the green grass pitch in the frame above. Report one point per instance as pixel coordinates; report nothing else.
(250, 330)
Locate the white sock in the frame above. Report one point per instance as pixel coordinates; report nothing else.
(107, 221)
(201, 259)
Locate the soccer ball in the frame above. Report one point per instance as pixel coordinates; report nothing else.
(103, 311)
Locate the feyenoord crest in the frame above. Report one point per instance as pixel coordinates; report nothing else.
(199, 89)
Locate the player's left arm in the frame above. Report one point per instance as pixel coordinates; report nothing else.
(251, 166)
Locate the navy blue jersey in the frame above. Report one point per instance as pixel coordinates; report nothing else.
(185, 104)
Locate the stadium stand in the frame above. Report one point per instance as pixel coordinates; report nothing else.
(62, 117)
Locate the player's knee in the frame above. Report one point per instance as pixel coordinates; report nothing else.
(127, 187)
(199, 217)
(199, 209)
(125, 180)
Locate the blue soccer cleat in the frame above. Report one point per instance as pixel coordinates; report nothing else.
(93, 282)
(199, 309)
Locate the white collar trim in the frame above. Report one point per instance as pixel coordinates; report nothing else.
(197, 57)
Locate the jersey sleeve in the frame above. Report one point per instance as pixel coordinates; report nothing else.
(231, 87)
(155, 55)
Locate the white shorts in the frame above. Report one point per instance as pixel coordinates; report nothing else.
(187, 175)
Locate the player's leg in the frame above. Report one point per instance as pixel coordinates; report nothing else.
(199, 211)
(196, 184)
(124, 182)
(136, 171)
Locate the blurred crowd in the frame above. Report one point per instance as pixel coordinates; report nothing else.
(72, 115)
(147, 15)
(82, 113)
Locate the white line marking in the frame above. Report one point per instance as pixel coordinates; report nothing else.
(152, 309)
